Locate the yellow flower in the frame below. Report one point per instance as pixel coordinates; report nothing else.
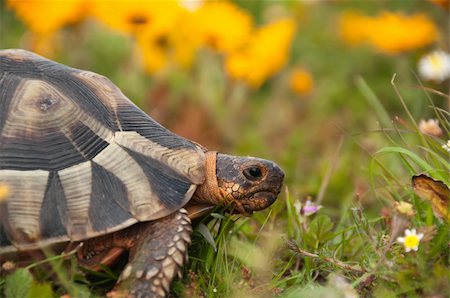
(221, 26)
(301, 82)
(158, 26)
(411, 240)
(265, 53)
(154, 52)
(4, 192)
(47, 16)
(184, 46)
(396, 33)
(354, 27)
(173, 46)
(389, 32)
(44, 18)
(138, 17)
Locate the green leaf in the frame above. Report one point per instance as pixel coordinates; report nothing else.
(321, 227)
(218, 216)
(374, 102)
(205, 232)
(319, 231)
(79, 291)
(414, 157)
(18, 284)
(40, 290)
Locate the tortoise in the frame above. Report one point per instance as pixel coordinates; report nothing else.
(84, 165)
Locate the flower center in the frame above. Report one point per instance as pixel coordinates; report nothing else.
(411, 241)
(138, 20)
(436, 62)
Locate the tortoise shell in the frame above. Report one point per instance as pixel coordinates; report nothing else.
(79, 158)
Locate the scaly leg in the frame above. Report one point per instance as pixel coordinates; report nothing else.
(158, 249)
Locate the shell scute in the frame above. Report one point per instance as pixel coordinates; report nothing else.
(52, 219)
(111, 205)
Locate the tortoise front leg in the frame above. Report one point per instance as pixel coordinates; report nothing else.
(157, 252)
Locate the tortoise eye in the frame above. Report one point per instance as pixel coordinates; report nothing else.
(253, 173)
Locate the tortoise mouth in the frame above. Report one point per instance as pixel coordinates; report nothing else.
(256, 201)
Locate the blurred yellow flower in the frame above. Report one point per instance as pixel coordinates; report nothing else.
(4, 192)
(301, 82)
(265, 53)
(389, 32)
(47, 16)
(153, 50)
(158, 26)
(138, 17)
(396, 33)
(44, 18)
(162, 48)
(221, 26)
(354, 27)
(185, 47)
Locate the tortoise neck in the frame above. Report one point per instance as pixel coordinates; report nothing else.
(209, 192)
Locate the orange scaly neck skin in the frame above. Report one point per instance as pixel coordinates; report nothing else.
(209, 192)
(207, 195)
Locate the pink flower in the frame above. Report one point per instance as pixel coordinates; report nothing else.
(309, 208)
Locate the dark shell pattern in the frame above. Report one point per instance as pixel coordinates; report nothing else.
(79, 158)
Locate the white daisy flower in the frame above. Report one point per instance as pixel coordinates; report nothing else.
(435, 66)
(446, 146)
(411, 240)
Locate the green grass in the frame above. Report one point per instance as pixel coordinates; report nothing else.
(353, 145)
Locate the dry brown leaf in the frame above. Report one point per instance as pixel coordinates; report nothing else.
(435, 192)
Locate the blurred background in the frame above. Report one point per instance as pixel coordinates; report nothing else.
(308, 84)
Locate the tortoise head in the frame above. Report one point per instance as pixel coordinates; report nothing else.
(246, 184)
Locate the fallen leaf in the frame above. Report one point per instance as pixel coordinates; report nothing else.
(435, 192)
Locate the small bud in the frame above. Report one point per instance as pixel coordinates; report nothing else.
(404, 208)
(430, 127)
